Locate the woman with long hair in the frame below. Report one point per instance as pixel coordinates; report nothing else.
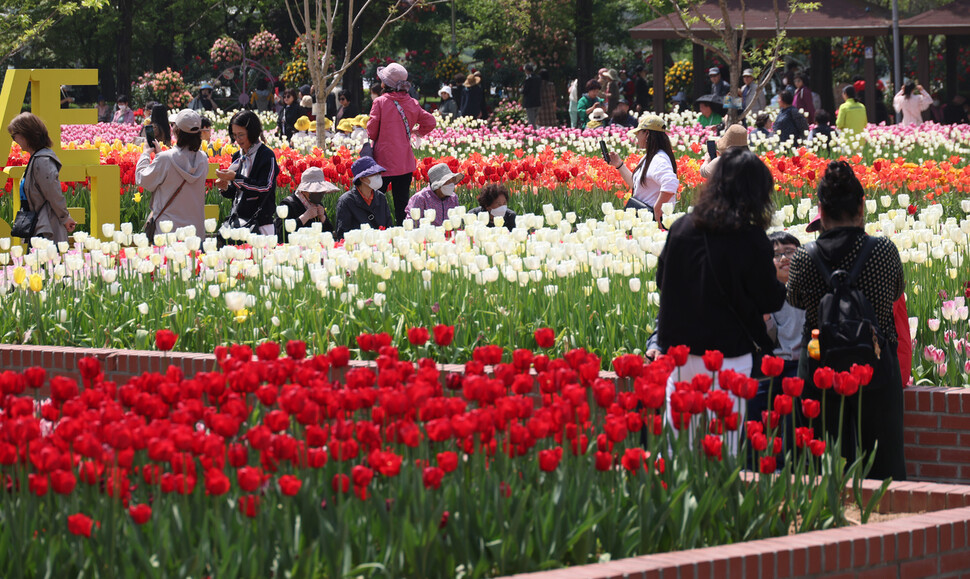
(716, 272)
(910, 102)
(654, 180)
(843, 243)
(250, 180)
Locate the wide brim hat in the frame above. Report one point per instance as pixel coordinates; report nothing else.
(394, 76)
(313, 181)
(445, 89)
(345, 125)
(365, 167)
(814, 226)
(188, 121)
(649, 123)
(598, 115)
(441, 174)
(360, 121)
(709, 99)
(734, 136)
(471, 81)
(610, 74)
(302, 123)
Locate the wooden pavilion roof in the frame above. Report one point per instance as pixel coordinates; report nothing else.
(954, 18)
(843, 18)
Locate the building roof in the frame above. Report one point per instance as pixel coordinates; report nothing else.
(844, 18)
(954, 18)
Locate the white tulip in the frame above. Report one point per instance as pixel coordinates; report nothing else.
(5, 243)
(603, 284)
(635, 284)
(282, 211)
(108, 229)
(214, 290)
(210, 225)
(143, 309)
(289, 224)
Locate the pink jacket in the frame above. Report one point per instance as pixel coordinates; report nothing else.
(392, 149)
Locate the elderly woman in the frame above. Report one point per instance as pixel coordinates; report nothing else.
(439, 195)
(364, 202)
(176, 177)
(392, 121)
(40, 188)
(494, 200)
(843, 244)
(304, 205)
(716, 272)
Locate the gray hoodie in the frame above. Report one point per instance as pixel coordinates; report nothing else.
(164, 175)
(42, 186)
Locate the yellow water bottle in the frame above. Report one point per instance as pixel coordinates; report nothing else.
(813, 349)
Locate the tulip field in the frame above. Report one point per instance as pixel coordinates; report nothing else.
(271, 466)
(289, 461)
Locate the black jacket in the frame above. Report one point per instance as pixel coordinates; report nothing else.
(287, 119)
(295, 208)
(508, 219)
(694, 309)
(472, 99)
(254, 197)
(790, 123)
(353, 211)
(532, 92)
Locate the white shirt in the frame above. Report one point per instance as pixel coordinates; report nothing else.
(660, 177)
(912, 107)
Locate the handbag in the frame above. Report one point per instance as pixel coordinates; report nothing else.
(151, 224)
(25, 222)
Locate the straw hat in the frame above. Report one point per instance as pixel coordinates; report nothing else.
(471, 81)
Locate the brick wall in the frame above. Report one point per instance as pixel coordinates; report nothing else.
(934, 544)
(937, 420)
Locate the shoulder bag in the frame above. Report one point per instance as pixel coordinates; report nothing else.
(25, 221)
(151, 224)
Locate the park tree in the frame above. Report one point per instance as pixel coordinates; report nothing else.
(25, 21)
(316, 21)
(731, 42)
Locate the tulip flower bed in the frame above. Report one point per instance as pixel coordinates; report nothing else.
(299, 466)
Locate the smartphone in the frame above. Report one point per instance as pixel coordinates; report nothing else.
(605, 151)
(150, 135)
(711, 149)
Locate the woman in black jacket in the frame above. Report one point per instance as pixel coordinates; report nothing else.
(292, 111)
(250, 180)
(716, 272)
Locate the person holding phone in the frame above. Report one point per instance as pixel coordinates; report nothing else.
(250, 179)
(305, 205)
(911, 101)
(734, 137)
(654, 180)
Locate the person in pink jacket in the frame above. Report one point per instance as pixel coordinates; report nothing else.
(393, 117)
(911, 101)
(803, 98)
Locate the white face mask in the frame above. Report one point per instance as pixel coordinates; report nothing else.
(122, 107)
(375, 182)
(448, 189)
(499, 211)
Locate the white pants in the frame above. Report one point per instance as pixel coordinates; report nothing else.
(694, 366)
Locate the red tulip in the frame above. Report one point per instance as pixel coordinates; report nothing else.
(249, 478)
(811, 408)
(361, 475)
(35, 376)
(37, 483)
(165, 340)
(679, 354)
(712, 446)
(63, 482)
(817, 447)
(846, 384)
(249, 505)
(713, 359)
(140, 514)
(418, 336)
(545, 337)
(268, 351)
(772, 366)
(633, 459)
(768, 464)
(792, 386)
(339, 356)
(432, 476)
(290, 485)
(444, 335)
(80, 524)
(549, 459)
(604, 460)
(216, 482)
(783, 404)
(340, 483)
(824, 378)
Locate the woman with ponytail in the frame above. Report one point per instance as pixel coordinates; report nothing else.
(841, 204)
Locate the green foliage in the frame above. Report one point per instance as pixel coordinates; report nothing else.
(25, 21)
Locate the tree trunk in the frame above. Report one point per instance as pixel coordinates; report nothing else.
(585, 38)
(126, 10)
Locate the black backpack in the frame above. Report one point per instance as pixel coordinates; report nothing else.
(849, 332)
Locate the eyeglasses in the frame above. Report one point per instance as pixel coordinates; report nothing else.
(240, 136)
(787, 253)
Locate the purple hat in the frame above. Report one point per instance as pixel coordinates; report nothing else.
(394, 76)
(365, 167)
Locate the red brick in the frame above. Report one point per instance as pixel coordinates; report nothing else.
(916, 453)
(783, 559)
(961, 423)
(959, 561)
(828, 558)
(705, 569)
(956, 400)
(860, 553)
(885, 572)
(735, 567)
(921, 420)
(958, 496)
(903, 547)
(938, 438)
(920, 569)
(940, 471)
(939, 400)
(937, 500)
(909, 437)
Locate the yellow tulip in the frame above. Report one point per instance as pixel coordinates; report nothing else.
(36, 282)
(241, 315)
(137, 197)
(19, 275)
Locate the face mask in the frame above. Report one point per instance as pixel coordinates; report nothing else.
(122, 107)
(448, 189)
(499, 211)
(375, 182)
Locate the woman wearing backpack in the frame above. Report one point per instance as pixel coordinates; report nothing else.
(841, 201)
